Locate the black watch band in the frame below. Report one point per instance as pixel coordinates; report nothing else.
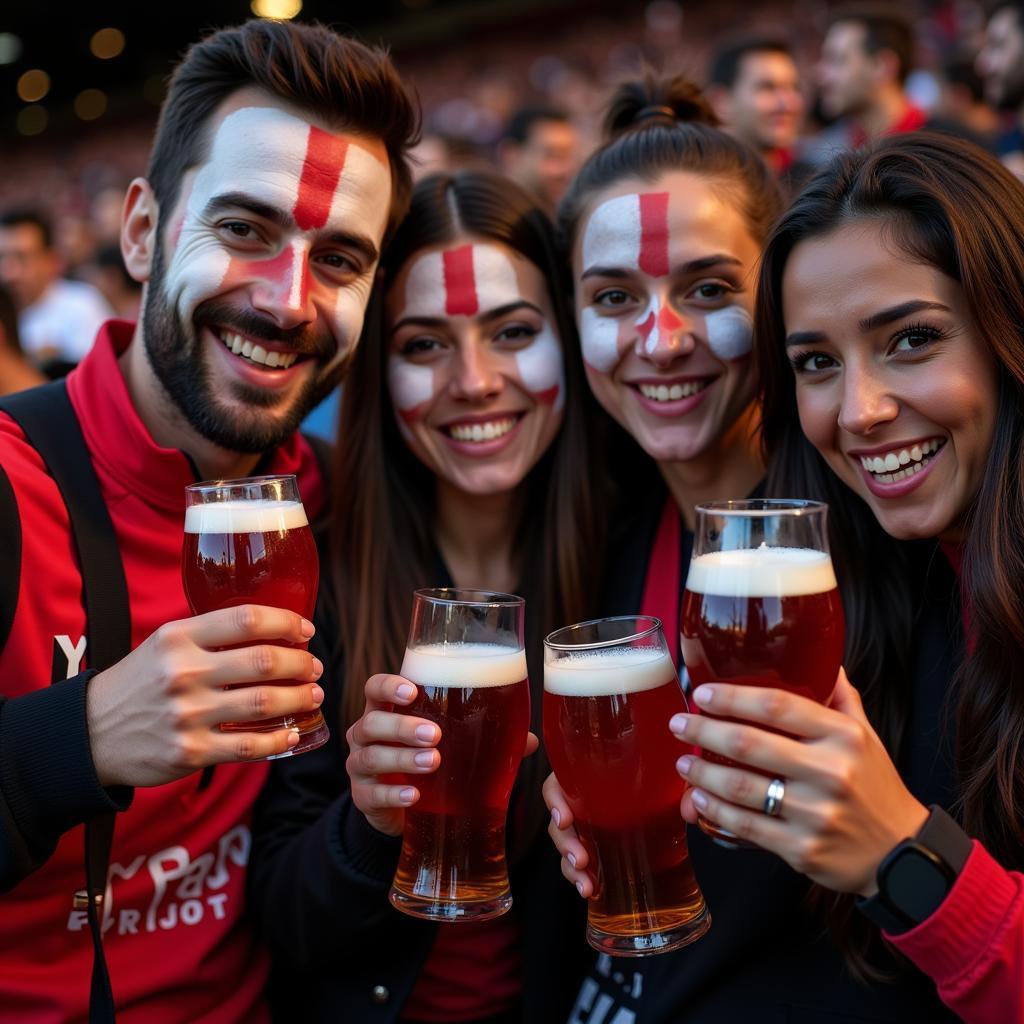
(916, 875)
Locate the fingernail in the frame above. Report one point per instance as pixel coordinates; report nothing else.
(703, 694)
(683, 764)
(426, 733)
(318, 695)
(407, 795)
(579, 888)
(425, 758)
(318, 667)
(556, 817)
(406, 691)
(677, 723)
(293, 738)
(699, 799)
(307, 628)
(571, 858)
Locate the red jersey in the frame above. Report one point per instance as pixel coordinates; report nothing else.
(176, 943)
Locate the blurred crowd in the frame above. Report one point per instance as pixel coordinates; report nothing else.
(804, 79)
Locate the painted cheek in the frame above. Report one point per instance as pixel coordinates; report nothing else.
(411, 388)
(542, 369)
(730, 333)
(287, 277)
(601, 339)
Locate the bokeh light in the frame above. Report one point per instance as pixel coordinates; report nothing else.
(276, 10)
(32, 120)
(33, 85)
(107, 43)
(90, 104)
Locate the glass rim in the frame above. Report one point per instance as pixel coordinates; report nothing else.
(204, 486)
(763, 507)
(445, 595)
(655, 625)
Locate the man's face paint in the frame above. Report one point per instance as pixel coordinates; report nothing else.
(663, 288)
(475, 369)
(272, 254)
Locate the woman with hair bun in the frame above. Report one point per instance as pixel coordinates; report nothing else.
(666, 224)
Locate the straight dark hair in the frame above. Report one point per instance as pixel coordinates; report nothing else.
(382, 532)
(340, 80)
(948, 204)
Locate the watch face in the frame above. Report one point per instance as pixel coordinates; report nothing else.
(916, 882)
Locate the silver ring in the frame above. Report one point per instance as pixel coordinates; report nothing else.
(773, 798)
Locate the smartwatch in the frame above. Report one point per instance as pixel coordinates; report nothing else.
(916, 875)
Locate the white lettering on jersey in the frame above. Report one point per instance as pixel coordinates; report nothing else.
(73, 652)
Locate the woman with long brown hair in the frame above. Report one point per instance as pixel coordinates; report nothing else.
(889, 333)
(463, 459)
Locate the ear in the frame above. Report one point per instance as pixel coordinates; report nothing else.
(139, 237)
(721, 102)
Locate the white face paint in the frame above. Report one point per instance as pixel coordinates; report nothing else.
(409, 384)
(324, 182)
(613, 234)
(730, 332)
(599, 339)
(542, 367)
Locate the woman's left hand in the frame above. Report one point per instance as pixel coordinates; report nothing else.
(845, 805)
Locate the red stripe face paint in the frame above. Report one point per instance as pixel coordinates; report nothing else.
(321, 171)
(652, 257)
(461, 297)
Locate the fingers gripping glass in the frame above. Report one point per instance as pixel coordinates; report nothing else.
(248, 542)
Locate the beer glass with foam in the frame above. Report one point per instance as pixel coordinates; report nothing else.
(248, 541)
(610, 688)
(465, 654)
(761, 606)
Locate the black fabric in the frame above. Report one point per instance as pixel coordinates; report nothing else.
(10, 578)
(767, 957)
(48, 420)
(319, 877)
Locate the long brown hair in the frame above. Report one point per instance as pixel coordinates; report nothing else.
(948, 204)
(383, 530)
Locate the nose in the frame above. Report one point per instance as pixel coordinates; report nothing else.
(475, 373)
(867, 402)
(663, 335)
(282, 286)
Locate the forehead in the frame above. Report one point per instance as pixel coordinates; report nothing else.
(761, 64)
(701, 217)
(846, 38)
(1005, 25)
(23, 237)
(852, 272)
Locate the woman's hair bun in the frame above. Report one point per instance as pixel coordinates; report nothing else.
(653, 100)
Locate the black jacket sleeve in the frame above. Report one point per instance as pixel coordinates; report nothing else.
(48, 782)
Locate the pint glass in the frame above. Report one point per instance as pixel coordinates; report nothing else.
(610, 689)
(761, 606)
(465, 655)
(248, 542)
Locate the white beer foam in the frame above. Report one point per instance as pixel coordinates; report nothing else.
(245, 517)
(472, 665)
(604, 673)
(762, 572)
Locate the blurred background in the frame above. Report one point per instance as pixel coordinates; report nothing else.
(514, 83)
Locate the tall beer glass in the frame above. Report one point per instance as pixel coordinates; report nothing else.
(761, 606)
(609, 690)
(465, 655)
(248, 542)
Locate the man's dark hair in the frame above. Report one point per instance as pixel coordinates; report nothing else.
(523, 121)
(16, 216)
(345, 83)
(728, 59)
(962, 71)
(1017, 6)
(885, 28)
(9, 321)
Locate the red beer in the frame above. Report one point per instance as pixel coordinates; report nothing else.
(453, 863)
(606, 716)
(254, 552)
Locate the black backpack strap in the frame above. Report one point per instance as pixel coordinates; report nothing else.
(48, 420)
(10, 541)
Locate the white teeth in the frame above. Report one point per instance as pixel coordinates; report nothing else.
(240, 347)
(888, 468)
(664, 393)
(478, 432)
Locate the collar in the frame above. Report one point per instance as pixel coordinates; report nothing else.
(118, 441)
(910, 120)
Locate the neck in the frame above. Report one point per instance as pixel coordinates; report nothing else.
(885, 110)
(17, 373)
(167, 424)
(475, 533)
(731, 468)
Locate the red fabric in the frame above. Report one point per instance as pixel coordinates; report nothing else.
(913, 119)
(973, 945)
(176, 945)
(663, 587)
(473, 971)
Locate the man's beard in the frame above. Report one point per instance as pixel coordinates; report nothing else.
(175, 353)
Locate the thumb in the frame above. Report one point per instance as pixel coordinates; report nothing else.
(846, 699)
(532, 743)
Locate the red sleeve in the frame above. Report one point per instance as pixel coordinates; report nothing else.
(973, 945)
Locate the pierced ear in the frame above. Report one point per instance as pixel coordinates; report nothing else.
(139, 237)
